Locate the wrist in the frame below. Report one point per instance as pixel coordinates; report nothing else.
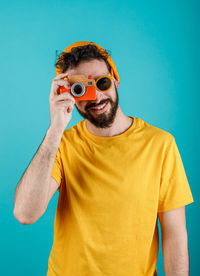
(53, 137)
(54, 131)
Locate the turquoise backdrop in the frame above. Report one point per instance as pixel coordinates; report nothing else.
(155, 45)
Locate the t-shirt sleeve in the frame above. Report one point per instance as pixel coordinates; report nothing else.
(174, 187)
(57, 171)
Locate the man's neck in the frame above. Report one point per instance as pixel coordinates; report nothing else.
(121, 124)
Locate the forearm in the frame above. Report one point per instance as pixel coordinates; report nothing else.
(32, 190)
(175, 256)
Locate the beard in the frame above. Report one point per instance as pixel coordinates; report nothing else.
(105, 119)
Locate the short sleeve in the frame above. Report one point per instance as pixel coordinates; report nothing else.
(174, 187)
(57, 171)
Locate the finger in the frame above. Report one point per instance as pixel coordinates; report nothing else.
(62, 75)
(56, 85)
(62, 82)
(64, 103)
(67, 102)
(65, 96)
(70, 109)
(61, 105)
(54, 90)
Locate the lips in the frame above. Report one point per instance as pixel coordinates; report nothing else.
(98, 106)
(101, 110)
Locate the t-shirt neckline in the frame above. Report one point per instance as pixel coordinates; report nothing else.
(88, 134)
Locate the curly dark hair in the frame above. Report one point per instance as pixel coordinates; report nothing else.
(79, 54)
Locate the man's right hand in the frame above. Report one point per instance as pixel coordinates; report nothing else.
(61, 106)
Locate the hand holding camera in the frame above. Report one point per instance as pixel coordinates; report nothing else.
(61, 105)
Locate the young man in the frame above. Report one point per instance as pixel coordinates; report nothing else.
(116, 175)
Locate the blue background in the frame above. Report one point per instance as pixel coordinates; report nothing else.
(155, 46)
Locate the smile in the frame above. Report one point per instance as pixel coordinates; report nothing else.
(100, 108)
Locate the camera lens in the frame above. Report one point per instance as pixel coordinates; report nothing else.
(78, 89)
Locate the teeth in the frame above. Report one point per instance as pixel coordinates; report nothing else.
(99, 107)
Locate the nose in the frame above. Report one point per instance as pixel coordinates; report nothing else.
(99, 96)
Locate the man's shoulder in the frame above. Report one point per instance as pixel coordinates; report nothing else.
(152, 131)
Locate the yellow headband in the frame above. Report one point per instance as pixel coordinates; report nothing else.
(82, 43)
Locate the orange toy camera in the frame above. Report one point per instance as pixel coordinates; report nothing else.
(82, 89)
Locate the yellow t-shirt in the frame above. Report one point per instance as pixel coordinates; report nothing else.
(110, 191)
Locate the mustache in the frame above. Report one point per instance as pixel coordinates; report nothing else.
(94, 105)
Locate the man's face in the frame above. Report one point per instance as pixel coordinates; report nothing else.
(104, 118)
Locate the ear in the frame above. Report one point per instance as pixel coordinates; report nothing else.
(116, 83)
